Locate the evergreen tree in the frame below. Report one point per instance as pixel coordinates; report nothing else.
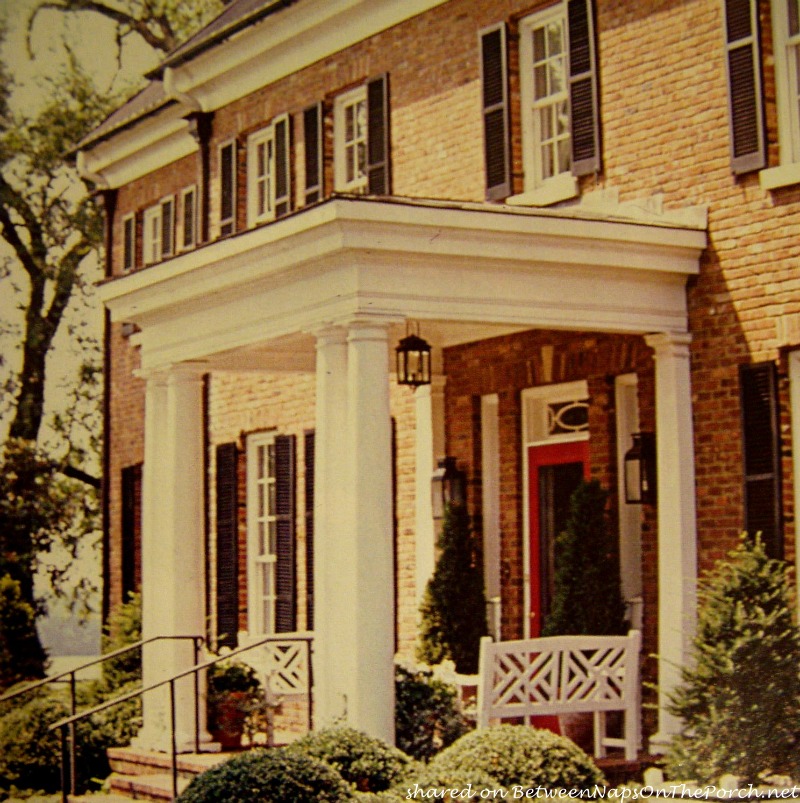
(454, 606)
(588, 596)
(740, 695)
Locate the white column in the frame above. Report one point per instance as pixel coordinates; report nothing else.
(173, 564)
(367, 581)
(329, 451)
(794, 390)
(677, 527)
(429, 408)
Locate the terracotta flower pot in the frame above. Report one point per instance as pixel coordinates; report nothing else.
(227, 715)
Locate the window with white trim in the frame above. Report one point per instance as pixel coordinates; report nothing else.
(350, 141)
(188, 218)
(262, 533)
(261, 176)
(159, 231)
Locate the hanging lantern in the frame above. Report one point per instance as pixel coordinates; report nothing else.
(640, 470)
(448, 487)
(413, 361)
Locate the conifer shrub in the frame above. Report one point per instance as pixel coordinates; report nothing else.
(277, 775)
(517, 755)
(369, 764)
(427, 713)
(21, 655)
(587, 600)
(739, 698)
(453, 609)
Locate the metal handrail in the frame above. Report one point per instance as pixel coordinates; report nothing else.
(69, 722)
(70, 673)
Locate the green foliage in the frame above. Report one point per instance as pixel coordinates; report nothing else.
(518, 755)
(440, 779)
(228, 676)
(454, 606)
(588, 597)
(268, 776)
(427, 713)
(21, 654)
(123, 628)
(369, 764)
(740, 696)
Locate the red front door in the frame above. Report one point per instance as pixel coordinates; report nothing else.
(554, 471)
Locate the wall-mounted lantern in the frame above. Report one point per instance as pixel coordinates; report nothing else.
(413, 361)
(448, 486)
(640, 470)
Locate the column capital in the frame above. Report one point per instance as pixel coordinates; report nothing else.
(674, 343)
(368, 329)
(330, 336)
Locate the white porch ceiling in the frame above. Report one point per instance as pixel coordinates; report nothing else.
(465, 271)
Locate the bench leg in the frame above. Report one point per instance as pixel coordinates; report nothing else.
(599, 734)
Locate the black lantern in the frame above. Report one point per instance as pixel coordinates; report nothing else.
(640, 470)
(413, 361)
(448, 486)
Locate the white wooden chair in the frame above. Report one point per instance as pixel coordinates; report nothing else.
(561, 674)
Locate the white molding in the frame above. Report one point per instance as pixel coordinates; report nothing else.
(347, 257)
(784, 175)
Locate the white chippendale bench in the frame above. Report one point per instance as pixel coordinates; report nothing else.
(562, 674)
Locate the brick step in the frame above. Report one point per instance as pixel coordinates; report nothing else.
(99, 797)
(157, 786)
(133, 761)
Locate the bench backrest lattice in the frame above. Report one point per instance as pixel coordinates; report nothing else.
(563, 674)
(285, 665)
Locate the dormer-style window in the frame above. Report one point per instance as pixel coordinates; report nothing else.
(129, 243)
(361, 139)
(268, 171)
(227, 195)
(159, 231)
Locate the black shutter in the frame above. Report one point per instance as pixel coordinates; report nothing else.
(309, 461)
(745, 104)
(312, 134)
(227, 545)
(227, 173)
(167, 228)
(494, 83)
(583, 93)
(131, 529)
(129, 243)
(761, 447)
(285, 609)
(283, 183)
(378, 175)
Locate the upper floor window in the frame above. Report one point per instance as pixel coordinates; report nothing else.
(159, 228)
(350, 131)
(361, 139)
(227, 196)
(189, 218)
(559, 104)
(268, 194)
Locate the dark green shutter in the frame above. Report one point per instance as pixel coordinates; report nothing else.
(494, 86)
(285, 607)
(227, 172)
(312, 134)
(283, 183)
(378, 175)
(583, 91)
(761, 452)
(227, 545)
(745, 102)
(309, 464)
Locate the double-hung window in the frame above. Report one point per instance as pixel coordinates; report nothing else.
(559, 104)
(270, 534)
(361, 139)
(268, 173)
(159, 231)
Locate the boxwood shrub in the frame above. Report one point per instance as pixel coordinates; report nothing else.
(516, 755)
(369, 764)
(268, 776)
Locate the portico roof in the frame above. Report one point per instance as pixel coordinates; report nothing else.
(469, 270)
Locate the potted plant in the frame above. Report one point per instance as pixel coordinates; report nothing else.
(233, 693)
(587, 600)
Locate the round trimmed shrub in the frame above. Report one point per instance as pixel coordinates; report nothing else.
(516, 755)
(268, 776)
(369, 764)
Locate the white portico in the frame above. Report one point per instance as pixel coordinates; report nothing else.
(329, 289)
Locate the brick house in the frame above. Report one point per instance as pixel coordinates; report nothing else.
(589, 208)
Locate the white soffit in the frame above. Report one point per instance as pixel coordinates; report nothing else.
(347, 258)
